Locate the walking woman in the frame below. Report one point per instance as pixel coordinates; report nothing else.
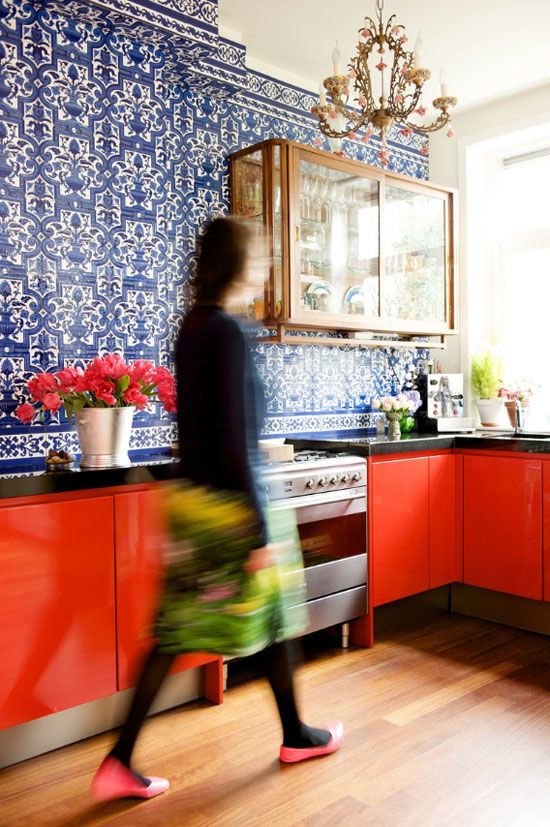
(219, 418)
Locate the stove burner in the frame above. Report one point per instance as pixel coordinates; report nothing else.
(312, 456)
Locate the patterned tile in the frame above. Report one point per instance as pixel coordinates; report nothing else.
(116, 120)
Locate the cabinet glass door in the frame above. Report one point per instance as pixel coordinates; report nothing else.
(414, 255)
(277, 252)
(338, 241)
(249, 204)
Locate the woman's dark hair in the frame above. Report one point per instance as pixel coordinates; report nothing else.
(222, 258)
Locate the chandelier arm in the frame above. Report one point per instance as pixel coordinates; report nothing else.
(363, 85)
(439, 122)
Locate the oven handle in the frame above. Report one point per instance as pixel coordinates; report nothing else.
(311, 500)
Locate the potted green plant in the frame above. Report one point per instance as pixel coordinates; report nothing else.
(485, 379)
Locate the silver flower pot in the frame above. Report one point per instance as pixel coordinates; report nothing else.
(104, 436)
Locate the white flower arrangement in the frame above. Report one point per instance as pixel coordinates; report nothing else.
(404, 404)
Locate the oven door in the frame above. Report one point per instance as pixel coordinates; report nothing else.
(333, 535)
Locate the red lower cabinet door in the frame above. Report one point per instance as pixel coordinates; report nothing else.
(57, 612)
(503, 524)
(400, 528)
(442, 520)
(140, 545)
(546, 522)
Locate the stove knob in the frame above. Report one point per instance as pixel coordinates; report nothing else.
(334, 480)
(356, 477)
(322, 482)
(309, 483)
(345, 478)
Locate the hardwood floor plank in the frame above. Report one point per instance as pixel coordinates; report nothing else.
(471, 746)
(444, 696)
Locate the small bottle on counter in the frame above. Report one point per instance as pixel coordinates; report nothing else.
(381, 426)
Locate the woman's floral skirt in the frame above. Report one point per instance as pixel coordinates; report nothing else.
(210, 603)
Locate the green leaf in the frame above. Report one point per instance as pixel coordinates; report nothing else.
(122, 385)
(69, 410)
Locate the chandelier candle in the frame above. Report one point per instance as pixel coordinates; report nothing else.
(353, 104)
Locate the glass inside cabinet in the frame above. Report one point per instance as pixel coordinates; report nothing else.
(414, 255)
(249, 194)
(338, 240)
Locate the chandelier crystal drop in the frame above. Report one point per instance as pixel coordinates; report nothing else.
(390, 95)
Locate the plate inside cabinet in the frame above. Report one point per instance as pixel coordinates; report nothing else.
(354, 300)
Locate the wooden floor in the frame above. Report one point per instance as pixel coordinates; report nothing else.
(447, 723)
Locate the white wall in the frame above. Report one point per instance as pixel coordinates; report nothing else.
(494, 118)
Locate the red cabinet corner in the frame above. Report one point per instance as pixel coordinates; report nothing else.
(57, 613)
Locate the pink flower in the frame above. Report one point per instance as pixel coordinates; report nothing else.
(450, 133)
(42, 384)
(333, 115)
(142, 371)
(352, 136)
(362, 100)
(112, 366)
(381, 66)
(25, 412)
(383, 157)
(52, 402)
(366, 138)
(406, 132)
(424, 149)
(421, 111)
(403, 39)
(365, 33)
(318, 141)
(399, 98)
(103, 389)
(67, 378)
(345, 91)
(134, 396)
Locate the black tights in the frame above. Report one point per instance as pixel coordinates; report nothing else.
(278, 665)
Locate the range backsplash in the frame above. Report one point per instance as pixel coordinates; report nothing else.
(113, 153)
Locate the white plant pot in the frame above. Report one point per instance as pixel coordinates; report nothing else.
(490, 412)
(104, 436)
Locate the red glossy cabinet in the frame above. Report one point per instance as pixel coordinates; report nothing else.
(413, 525)
(442, 506)
(57, 606)
(546, 529)
(400, 528)
(139, 542)
(503, 524)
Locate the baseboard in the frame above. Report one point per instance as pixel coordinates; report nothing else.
(520, 612)
(61, 728)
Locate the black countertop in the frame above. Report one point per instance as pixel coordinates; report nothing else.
(370, 445)
(30, 480)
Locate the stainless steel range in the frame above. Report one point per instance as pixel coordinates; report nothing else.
(329, 495)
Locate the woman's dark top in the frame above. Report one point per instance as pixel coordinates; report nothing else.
(220, 405)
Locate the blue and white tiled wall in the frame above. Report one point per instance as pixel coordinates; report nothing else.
(113, 152)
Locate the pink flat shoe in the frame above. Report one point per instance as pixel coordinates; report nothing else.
(290, 755)
(113, 780)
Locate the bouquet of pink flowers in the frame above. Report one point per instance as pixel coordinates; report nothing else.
(106, 382)
(521, 391)
(404, 404)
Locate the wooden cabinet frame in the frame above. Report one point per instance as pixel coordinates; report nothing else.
(291, 315)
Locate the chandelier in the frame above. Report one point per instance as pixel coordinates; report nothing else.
(398, 81)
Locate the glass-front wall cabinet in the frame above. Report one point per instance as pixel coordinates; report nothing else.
(346, 246)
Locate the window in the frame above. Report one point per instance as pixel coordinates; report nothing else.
(520, 287)
(506, 214)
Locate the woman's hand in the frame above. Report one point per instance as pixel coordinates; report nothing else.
(259, 558)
